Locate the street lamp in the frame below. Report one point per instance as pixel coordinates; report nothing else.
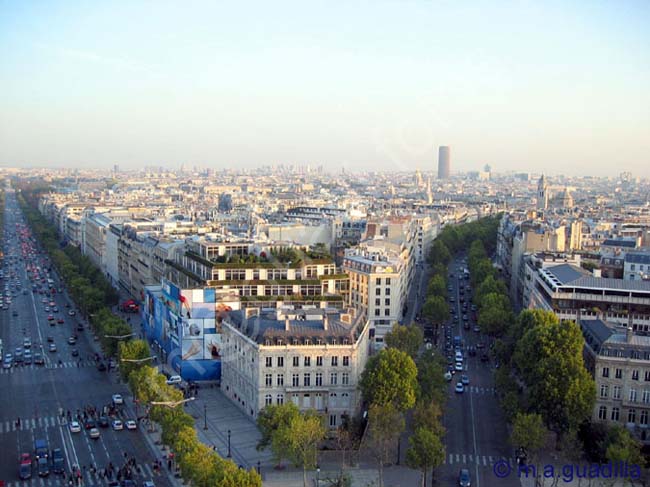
(317, 476)
(137, 360)
(171, 404)
(229, 455)
(205, 416)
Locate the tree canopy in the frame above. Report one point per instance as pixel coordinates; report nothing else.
(390, 377)
(405, 338)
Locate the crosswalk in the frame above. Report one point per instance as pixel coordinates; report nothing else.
(481, 390)
(32, 423)
(90, 479)
(53, 365)
(481, 460)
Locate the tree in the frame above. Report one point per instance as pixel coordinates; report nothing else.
(528, 432)
(439, 253)
(272, 419)
(622, 447)
(132, 350)
(495, 315)
(390, 377)
(437, 286)
(427, 415)
(550, 362)
(480, 271)
(435, 308)
(302, 435)
(405, 338)
(431, 378)
(425, 451)
(487, 286)
(385, 424)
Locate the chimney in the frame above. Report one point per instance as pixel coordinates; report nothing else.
(629, 334)
(325, 322)
(287, 325)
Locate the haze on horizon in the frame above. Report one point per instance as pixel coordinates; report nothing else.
(519, 85)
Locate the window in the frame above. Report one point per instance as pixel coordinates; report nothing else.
(377, 311)
(307, 361)
(616, 414)
(377, 301)
(268, 380)
(631, 416)
(345, 400)
(346, 361)
(295, 380)
(319, 379)
(332, 420)
(602, 412)
(632, 395)
(619, 373)
(335, 361)
(269, 361)
(616, 392)
(643, 418)
(603, 390)
(296, 361)
(387, 301)
(645, 396)
(345, 378)
(332, 402)
(388, 281)
(295, 398)
(387, 291)
(646, 376)
(306, 401)
(306, 380)
(268, 400)
(279, 399)
(280, 379)
(605, 371)
(280, 361)
(319, 361)
(635, 375)
(378, 281)
(333, 378)
(387, 312)
(632, 267)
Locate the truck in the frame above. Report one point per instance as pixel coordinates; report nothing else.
(40, 448)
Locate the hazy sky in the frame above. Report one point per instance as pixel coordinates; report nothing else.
(560, 86)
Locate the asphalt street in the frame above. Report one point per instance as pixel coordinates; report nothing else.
(37, 394)
(477, 436)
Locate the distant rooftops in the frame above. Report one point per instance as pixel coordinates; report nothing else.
(606, 339)
(638, 257)
(567, 275)
(619, 242)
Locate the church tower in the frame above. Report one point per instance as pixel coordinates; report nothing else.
(542, 194)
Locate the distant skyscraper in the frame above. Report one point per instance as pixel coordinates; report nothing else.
(443, 162)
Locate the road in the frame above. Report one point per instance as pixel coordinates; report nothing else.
(37, 393)
(476, 436)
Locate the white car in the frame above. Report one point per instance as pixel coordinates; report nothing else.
(131, 424)
(174, 379)
(117, 425)
(75, 427)
(94, 433)
(459, 387)
(118, 399)
(459, 366)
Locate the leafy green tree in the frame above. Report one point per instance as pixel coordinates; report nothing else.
(488, 286)
(481, 271)
(272, 419)
(437, 286)
(425, 451)
(405, 338)
(302, 436)
(130, 351)
(431, 378)
(435, 308)
(622, 447)
(427, 415)
(439, 253)
(390, 377)
(495, 315)
(385, 425)
(529, 432)
(550, 362)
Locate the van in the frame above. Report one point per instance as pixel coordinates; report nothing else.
(174, 379)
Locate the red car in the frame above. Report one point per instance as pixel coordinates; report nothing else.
(60, 321)
(50, 318)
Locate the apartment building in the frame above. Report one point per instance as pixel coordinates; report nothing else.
(619, 361)
(636, 266)
(312, 357)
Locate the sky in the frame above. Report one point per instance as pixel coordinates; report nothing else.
(554, 86)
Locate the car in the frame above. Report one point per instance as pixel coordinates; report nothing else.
(464, 478)
(484, 357)
(60, 321)
(14, 313)
(55, 309)
(27, 358)
(27, 343)
(71, 312)
(58, 462)
(93, 433)
(472, 351)
(47, 309)
(460, 388)
(101, 366)
(74, 352)
(459, 356)
(480, 345)
(43, 467)
(477, 329)
(89, 423)
(38, 359)
(52, 347)
(117, 399)
(174, 379)
(72, 340)
(458, 367)
(131, 424)
(464, 379)
(50, 339)
(448, 376)
(148, 483)
(7, 362)
(103, 422)
(80, 327)
(50, 317)
(127, 483)
(75, 427)
(25, 469)
(117, 425)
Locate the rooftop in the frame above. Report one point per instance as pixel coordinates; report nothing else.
(567, 275)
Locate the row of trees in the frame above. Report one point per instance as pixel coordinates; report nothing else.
(199, 464)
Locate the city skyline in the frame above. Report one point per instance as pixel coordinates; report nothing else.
(352, 87)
